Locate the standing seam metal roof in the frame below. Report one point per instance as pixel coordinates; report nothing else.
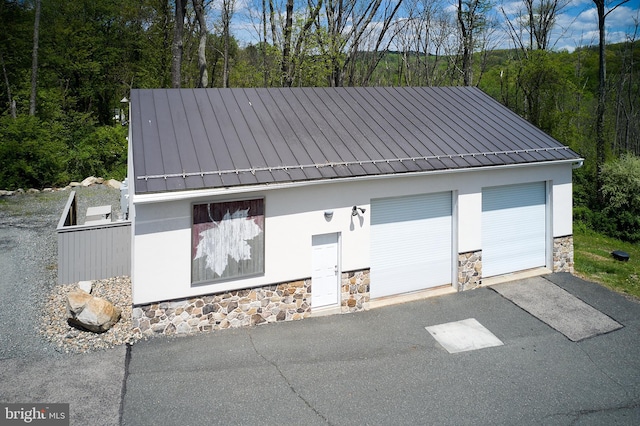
(184, 139)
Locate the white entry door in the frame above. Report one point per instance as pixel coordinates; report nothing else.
(325, 274)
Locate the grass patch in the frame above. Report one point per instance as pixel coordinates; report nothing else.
(593, 261)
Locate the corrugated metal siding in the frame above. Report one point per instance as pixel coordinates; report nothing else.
(204, 138)
(91, 252)
(94, 252)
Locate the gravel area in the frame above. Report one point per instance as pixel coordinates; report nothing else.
(32, 315)
(68, 339)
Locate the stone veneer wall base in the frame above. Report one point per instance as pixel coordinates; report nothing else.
(563, 254)
(469, 270)
(281, 302)
(292, 301)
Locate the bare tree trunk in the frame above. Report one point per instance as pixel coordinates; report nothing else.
(600, 141)
(176, 48)
(227, 12)
(34, 61)
(377, 52)
(287, 78)
(12, 103)
(264, 43)
(466, 33)
(272, 21)
(202, 46)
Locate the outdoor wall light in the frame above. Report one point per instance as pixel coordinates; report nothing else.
(328, 214)
(354, 211)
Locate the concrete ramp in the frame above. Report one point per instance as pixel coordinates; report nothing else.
(557, 308)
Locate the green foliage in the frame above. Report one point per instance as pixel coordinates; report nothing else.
(36, 153)
(102, 152)
(621, 193)
(619, 214)
(31, 153)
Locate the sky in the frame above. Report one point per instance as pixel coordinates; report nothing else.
(576, 26)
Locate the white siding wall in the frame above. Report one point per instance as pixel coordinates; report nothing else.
(162, 230)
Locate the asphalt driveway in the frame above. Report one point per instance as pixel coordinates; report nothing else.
(383, 367)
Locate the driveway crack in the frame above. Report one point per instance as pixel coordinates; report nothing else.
(286, 380)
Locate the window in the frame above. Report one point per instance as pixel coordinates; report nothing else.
(227, 240)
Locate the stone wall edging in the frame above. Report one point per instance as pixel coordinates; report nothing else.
(289, 301)
(469, 270)
(563, 260)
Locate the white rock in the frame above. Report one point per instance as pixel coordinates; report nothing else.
(113, 183)
(74, 184)
(92, 313)
(89, 181)
(86, 286)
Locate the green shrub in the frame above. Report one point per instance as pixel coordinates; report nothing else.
(621, 195)
(32, 154)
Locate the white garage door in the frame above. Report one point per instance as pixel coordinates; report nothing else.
(410, 243)
(513, 228)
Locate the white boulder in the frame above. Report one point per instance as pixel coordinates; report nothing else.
(91, 313)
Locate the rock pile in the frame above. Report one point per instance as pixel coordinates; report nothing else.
(91, 180)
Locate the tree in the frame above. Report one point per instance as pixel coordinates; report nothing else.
(177, 45)
(34, 65)
(228, 7)
(12, 103)
(290, 58)
(424, 43)
(536, 73)
(472, 21)
(349, 23)
(198, 7)
(602, 95)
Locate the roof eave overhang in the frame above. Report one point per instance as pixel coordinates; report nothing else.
(167, 196)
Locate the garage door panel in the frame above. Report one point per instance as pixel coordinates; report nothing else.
(513, 228)
(410, 243)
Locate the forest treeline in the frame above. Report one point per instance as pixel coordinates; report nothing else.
(66, 66)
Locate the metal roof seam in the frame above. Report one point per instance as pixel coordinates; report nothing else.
(248, 121)
(358, 109)
(287, 117)
(270, 115)
(317, 124)
(217, 128)
(260, 123)
(453, 133)
(412, 101)
(205, 99)
(229, 105)
(189, 129)
(354, 149)
(400, 140)
(416, 138)
(437, 98)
